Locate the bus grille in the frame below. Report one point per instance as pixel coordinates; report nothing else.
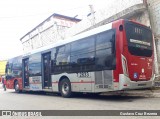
(103, 86)
(103, 78)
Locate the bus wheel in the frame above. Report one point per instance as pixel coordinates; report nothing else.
(65, 88)
(16, 87)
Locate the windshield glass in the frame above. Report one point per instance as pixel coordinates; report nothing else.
(139, 39)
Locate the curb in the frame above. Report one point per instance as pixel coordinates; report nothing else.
(152, 93)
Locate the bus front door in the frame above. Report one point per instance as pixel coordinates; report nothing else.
(46, 71)
(25, 73)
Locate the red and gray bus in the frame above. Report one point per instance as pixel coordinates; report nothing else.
(113, 57)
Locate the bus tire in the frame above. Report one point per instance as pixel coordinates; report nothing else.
(65, 88)
(16, 87)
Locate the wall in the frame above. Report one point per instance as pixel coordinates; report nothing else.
(46, 33)
(154, 12)
(154, 9)
(114, 7)
(2, 67)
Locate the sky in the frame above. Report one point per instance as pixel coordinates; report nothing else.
(17, 17)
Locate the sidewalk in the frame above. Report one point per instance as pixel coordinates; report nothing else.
(153, 93)
(1, 86)
(156, 92)
(145, 93)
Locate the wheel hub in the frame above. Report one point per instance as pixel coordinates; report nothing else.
(65, 88)
(17, 87)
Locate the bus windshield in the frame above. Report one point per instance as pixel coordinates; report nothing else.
(139, 39)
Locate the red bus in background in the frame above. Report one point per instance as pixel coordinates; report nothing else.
(14, 73)
(113, 57)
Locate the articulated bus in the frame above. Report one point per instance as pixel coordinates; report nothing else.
(114, 57)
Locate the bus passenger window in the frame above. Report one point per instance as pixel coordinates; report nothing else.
(62, 59)
(105, 50)
(83, 54)
(62, 55)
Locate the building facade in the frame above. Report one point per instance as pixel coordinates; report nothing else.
(154, 12)
(49, 31)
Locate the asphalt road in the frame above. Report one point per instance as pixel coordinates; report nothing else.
(9, 100)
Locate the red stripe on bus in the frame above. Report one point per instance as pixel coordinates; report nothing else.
(78, 82)
(35, 83)
(84, 82)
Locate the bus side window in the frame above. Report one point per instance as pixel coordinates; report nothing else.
(62, 59)
(33, 67)
(9, 69)
(62, 55)
(83, 54)
(6, 70)
(113, 50)
(105, 50)
(113, 43)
